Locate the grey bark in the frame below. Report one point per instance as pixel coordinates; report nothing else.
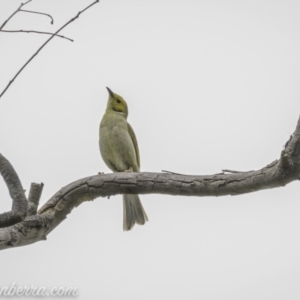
(36, 227)
(34, 198)
(19, 205)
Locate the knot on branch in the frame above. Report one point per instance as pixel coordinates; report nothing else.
(286, 164)
(13, 239)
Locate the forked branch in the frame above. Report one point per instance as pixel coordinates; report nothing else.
(35, 228)
(44, 44)
(16, 11)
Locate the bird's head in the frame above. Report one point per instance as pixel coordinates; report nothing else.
(116, 103)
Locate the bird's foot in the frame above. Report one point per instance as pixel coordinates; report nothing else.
(129, 170)
(100, 173)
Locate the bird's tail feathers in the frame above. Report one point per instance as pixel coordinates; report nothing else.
(133, 212)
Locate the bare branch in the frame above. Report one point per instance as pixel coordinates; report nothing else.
(19, 206)
(169, 172)
(34, 31)
(18, 9)
(39, 13)
(35, 54)
(36, 228)
(34, 198)
(231, 171)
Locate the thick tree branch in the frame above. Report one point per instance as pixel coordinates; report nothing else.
(19, 206)
(35, 228)
(44, 44)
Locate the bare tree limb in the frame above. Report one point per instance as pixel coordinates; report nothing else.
(55, 210)
(19, 206)
(34, 198)
(230, 171)
(17, 10)
(34, 31)
(39, 13)
(44, 44)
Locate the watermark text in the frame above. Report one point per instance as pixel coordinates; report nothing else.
(40, 291)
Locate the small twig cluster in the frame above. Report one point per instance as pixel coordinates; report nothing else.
(19, 9)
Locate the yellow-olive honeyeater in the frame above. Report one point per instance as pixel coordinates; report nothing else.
(120, 152)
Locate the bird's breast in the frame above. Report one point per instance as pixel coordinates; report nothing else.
(116, 145)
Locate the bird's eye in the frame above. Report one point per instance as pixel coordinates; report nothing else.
(118, 101)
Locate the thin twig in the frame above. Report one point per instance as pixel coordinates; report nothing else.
(232, 171)
(169, 172)
(18, 9)
(34, 31)
(31, 58)
(39, 13)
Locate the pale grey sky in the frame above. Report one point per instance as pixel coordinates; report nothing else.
(209, 85)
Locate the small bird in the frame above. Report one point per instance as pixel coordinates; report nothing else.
(120, 152)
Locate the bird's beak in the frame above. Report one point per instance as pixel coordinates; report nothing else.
(110, 92)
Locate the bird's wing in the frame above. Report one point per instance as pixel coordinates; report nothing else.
(136, 147)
